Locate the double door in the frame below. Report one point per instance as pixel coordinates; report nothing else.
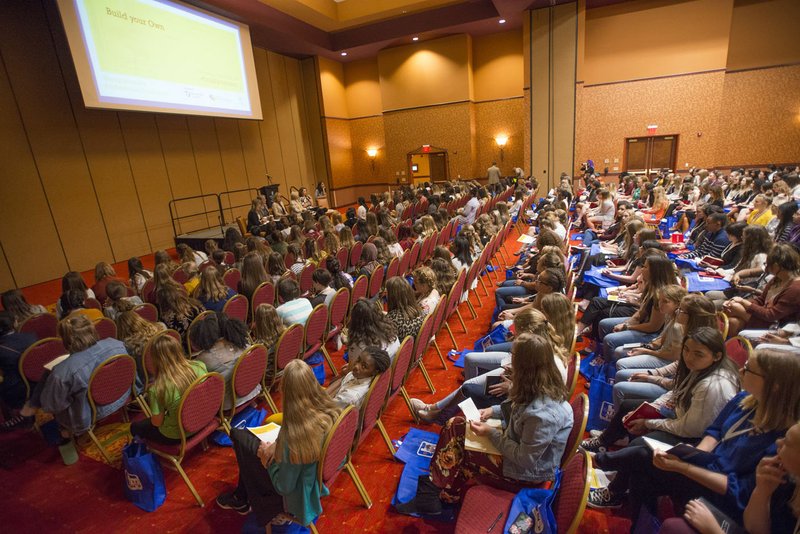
(643, 154)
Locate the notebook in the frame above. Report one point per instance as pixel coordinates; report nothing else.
(267, 433)
(55, 361)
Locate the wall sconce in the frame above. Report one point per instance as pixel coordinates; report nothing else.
(372, 153)
(501, 141)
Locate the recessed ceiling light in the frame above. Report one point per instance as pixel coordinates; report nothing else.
(415, 38)
(344, 53)
(502, 21)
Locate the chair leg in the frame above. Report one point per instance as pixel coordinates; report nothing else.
(385, 436)
(313, 528)
(330, 361)
(177, 465)
(406, 398)
(483, 286)
(471, 309)
(359, 486)
(270, 402)
(144, 406)
(452, 337)
(100, 446)
(480, 304)
(439, 352)
(461, 320)
(426, 376)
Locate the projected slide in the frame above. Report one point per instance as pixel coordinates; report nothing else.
(163, 56)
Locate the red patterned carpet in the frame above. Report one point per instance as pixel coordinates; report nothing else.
(41, 494)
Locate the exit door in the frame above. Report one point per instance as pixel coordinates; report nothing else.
(643, 154)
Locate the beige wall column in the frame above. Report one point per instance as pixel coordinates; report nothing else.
(553, 45)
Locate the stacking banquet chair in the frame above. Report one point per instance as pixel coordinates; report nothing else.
(360, 289)
(723, 323)
(580, 416)
(147, 311)
(415, 253)
(438, 318)
(232, 277)
(180, 276)
(105, 328)
(453, 300)
(148, 292)
(481, 503)
(399, 370)
(111, 381)
(337, 312)
(392, 269)
(236, 308)
(200, 317)
(42, 325)
(306, 277)
(420, 346)
(371, 408)
(343, 255)
(375, 282)
(288, 347)
(336, 450)
(92, 302)
(31, 363)
(315, 335)
(249, 372)
(199, 415)
(739, 350)
(264, 294)
(405, 264)
(355, 256)
(573, 370)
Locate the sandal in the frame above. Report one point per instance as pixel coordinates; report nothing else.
(18, 421)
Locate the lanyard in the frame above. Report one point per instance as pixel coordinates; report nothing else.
(734, 431)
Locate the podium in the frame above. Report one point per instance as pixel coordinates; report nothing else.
(270, 191)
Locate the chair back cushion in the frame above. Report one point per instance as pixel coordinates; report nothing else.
(149, 291)
(249, 370)
(106, 328)
(343, 255)
(264, 294)
(580, 414)
(232, 277)
(338, 310)
(147, 311)
(112, 380)
(415, 251)
(316, 326)
(306, 280)
(289, 345)
(401, 363)
(337, 445)
(405, 263)
(391, 270)
(236, 308)
(180, 276)
(355, 254)
(359, 289)
(41, 325)
(201, 402)
(376, 281)
(424, 337)
(570, 501)
(738, 349)
(32, 361)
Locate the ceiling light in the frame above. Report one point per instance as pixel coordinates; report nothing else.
(415, 38)
(502, 21)
(344, 53)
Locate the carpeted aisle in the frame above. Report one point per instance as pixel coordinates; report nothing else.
(41, 494)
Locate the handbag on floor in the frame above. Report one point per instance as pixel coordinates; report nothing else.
(532, 510)
(601, 398)
(144, 480)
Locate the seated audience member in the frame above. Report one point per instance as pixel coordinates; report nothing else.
(777, 303)
(135, 332)
(403, 309)
(425, 289)
(322, 292)
(478, 366)
(747, 272)
(161, 257)
(12, 345)
(773, 505)
(280, 478)
(174, 373)
(138, 274)
(218, 257)
(761, 214)
(352, 388)
(189, 255)
(445, 274)
(369, 326)
(276, 267)
(73, 303)
(221, 341)
(71, 280)
(369, 259)
(705, 380)
(267, 330)
(292, 309)
(118, 300)
(715, 241)
(212, 292)
(742, 434)
(103, 274)
(339, 278)
(537, 420)
(253, 275)
(63, 391)
(192, 277)
(176, 309)
(14, 302)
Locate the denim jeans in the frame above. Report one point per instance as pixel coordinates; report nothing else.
(612, 340)
(509, 291)
(643, 361)
(589, 238)
(476, 363)
(640, 391)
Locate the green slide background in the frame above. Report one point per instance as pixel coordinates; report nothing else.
(186, 51)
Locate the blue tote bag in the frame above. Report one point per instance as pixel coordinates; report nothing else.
(601, 398)
(144, 480)
(249, 417)
(532, 508)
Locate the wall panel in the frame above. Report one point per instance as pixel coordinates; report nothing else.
(270, 139)
(205, 149)
(494, 118)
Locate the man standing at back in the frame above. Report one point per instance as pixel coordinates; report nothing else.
(493, 173)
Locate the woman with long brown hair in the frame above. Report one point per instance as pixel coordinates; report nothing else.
(280, 477)
(176, 309)
(535, 422)
(404, 310)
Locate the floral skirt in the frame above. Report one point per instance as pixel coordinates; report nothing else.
(453, 466)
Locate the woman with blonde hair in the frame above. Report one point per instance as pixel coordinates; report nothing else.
(174, 373)
(372, 225)
(161, 257)
(267, 326)
(561, 315)
(212, 291)
(536, 421)
(428, 226)
(280, 478)
(331, 242)
(658, 207)
(425, 289)
(446, 274)
(103, 274)
(135, 331)
(346, 237)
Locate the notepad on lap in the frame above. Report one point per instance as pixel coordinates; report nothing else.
(267, 433)
(683, 451)
(644, 411)
(474, 442)
(58, 359)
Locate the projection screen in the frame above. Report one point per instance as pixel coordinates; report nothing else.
(161, 56)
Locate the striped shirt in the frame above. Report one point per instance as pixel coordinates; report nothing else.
(295, 311)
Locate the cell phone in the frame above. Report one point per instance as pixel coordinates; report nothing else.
(491, 381)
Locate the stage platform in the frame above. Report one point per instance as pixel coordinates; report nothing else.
(197, 239)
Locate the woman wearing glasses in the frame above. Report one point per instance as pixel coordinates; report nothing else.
(741, 435)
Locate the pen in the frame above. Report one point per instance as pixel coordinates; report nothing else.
(494, 523)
